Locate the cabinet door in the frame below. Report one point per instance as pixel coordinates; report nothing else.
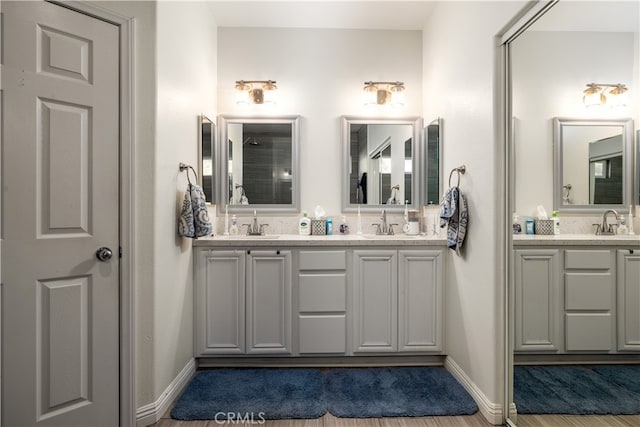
(220, 302)
(419, 300)
(628, 286)
(538, 300)
(269, 302)
(375, 280)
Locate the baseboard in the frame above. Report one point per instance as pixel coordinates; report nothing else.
(152, 412)
(491, 411)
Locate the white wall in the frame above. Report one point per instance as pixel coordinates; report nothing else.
(186, 87)
(173, 85)
(144, 13)
(459, 86)
(320, 76)
(550, 71)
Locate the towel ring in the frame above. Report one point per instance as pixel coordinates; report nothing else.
(461, 170)
(185, 167)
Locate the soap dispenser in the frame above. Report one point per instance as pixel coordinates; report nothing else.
(233, 229)
(304, 225)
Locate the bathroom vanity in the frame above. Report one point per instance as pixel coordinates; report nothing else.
(290, 295)
(577, 294)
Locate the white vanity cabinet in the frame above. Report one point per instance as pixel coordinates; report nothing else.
(538, 300)
(573, 298)
(628, 287)
(333, 296)
(397, 301)
(243, 302)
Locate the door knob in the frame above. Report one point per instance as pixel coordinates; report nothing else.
(104, 254)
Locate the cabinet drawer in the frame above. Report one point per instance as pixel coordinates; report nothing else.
(588, 331)
(323, 334)
(323, 292)
(587, 259)
(323, 260)
(588, 291)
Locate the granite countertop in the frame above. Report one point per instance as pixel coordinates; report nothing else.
(576, 240)
(332, 240)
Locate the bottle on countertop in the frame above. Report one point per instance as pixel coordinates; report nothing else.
(516, 224)
(233, 228)
(329, 226)
(344, 226)
(304, 226)
(528, 226)
(622, 226)
(630, 224)
(556, 222)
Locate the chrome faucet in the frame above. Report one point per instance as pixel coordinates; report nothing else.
(255, 229)
(383, 228)
(605, 228)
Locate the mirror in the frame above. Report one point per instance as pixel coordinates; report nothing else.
(547, 63)
(593, 164)
(551, 64)
(433, 191)
(259, 169)
(206, 158)
(382, 166)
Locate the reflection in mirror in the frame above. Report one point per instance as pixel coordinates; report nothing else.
(551, 312)
(206, 146)
(594, 164)
(382, 163)
(433, 134)
(261, 170)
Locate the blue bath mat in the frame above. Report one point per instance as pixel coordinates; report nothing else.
(252, 394)
(627, 376)
(395, 392)
(569, 390)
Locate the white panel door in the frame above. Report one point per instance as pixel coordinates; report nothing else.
(538, 300)
(220, 302)
(269, 302)
(60, 204)
(375, 301)
(420, 301)
(628, 277)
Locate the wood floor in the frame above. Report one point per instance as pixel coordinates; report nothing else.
(328, 420)
(476, 420)
(578, 420)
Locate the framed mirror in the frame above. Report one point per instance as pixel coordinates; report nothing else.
(259, 167)
(206, 157)
(593, 164)
(382, 163)
(432, 184)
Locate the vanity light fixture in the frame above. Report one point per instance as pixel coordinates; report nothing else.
(255, 91)
(597, 93)
(381, 93)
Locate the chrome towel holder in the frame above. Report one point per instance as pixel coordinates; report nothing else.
(185, 167)
(461, 170)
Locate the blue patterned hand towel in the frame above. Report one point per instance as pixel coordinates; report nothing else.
(454, 215)
(194, 218)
